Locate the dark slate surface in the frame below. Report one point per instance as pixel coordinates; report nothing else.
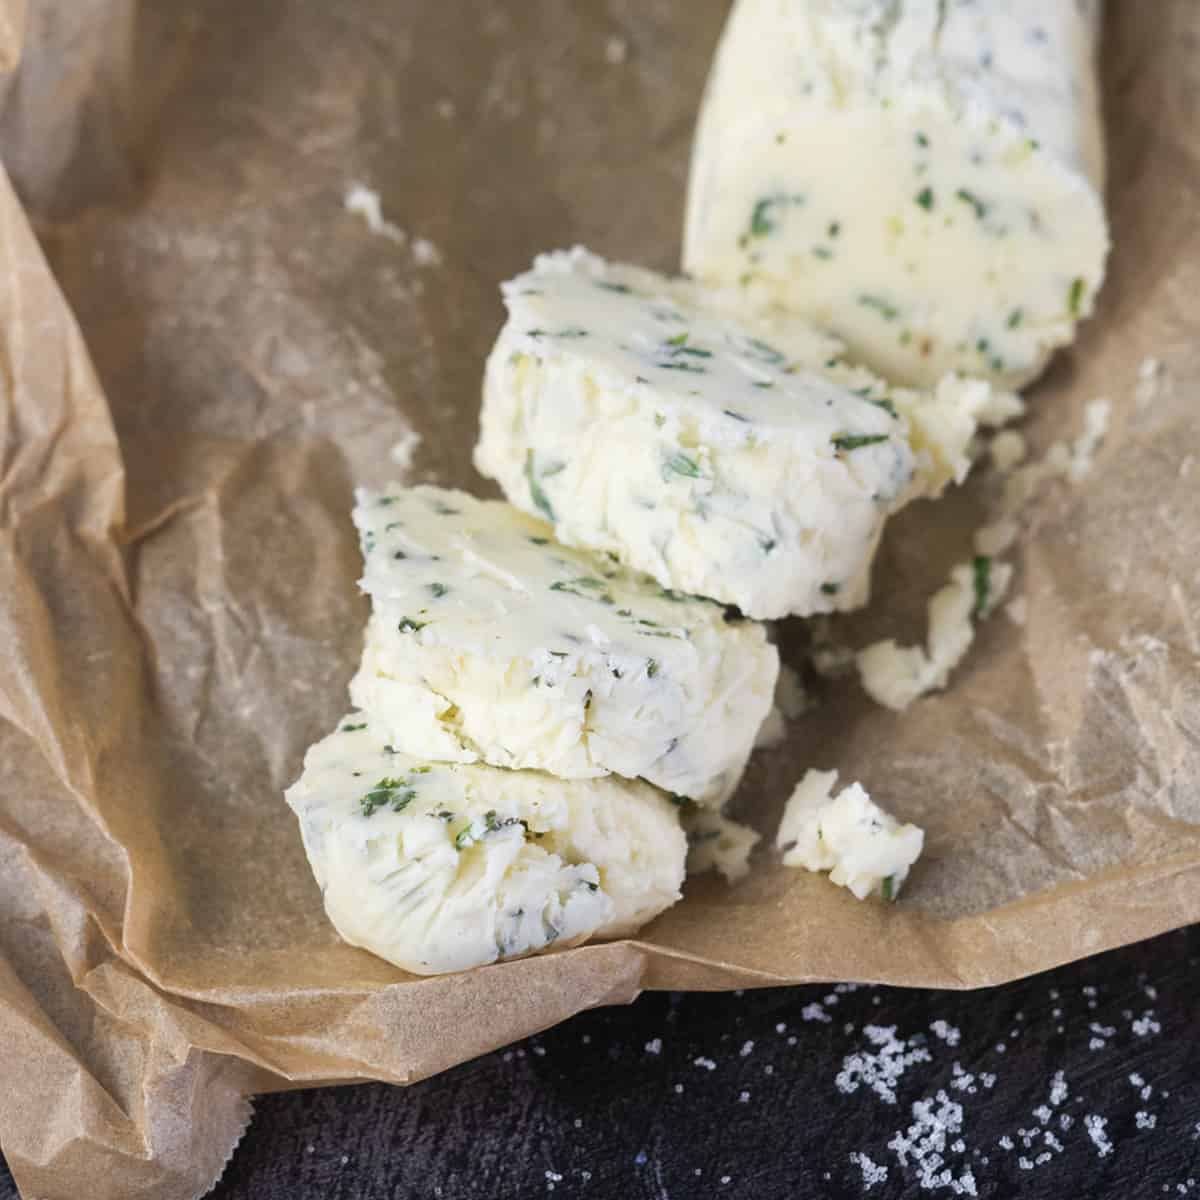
(821, 1091)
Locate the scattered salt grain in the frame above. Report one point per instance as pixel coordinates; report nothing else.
(881, 1069)
(1095, 1130)
(924, 1143)
(706, 1063)
(747, 1049)
(1146, 1025)
(654, 1046)
(1145, 1120)
(947, 1033)
(872, 1172)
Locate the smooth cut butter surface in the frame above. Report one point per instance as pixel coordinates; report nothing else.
(924, 178)
(491, 642)
(643, 422)
(443, 866)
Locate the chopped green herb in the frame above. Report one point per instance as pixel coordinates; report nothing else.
(982, 345)
(763, 217)
(889, 312)
(680, 801)
(438, 590)
(384, 501)
(765, 351)
(651, 668)
(536, 494)
(767, 544)
(1015, 318)
(659, 420)
(970, 198)
(694, 351)
(763, 384)
(925, 198)
(822, 252)
(1075, 297)
(558, 654)
(981, 569)
(622, 288)
(922, 140)
(887, 889)
(830, 589)
(399, 554)
(852, 441)
(572, 331)
(443, 509)
(681, 366)
(760, 220)
(680, 464)
(887, 406)
(835, 227)
(395, 794)
(735, 416)
(540, 541)
(587, 699)
(353, 728)
(680, 339)
(408, 625)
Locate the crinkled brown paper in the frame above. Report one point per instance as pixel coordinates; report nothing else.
(178, 613)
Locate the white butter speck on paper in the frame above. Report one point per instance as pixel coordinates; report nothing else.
(488, 641)
(716, 843)
(365, 202)
(864, 848)
(444, 866)
(926, 180)
(403, 450)
(425, 253)
(895, 675)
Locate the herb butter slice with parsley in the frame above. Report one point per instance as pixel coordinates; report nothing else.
(443, 866)
(490, 642)
(925, 178)
(641, 420)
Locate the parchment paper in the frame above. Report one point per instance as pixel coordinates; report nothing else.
(178, 615)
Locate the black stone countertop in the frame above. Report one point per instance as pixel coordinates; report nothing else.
(1084, 1082)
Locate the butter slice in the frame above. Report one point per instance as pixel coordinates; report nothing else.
(489, 642)
(925, 179)
(642, 421)
(443, 866)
